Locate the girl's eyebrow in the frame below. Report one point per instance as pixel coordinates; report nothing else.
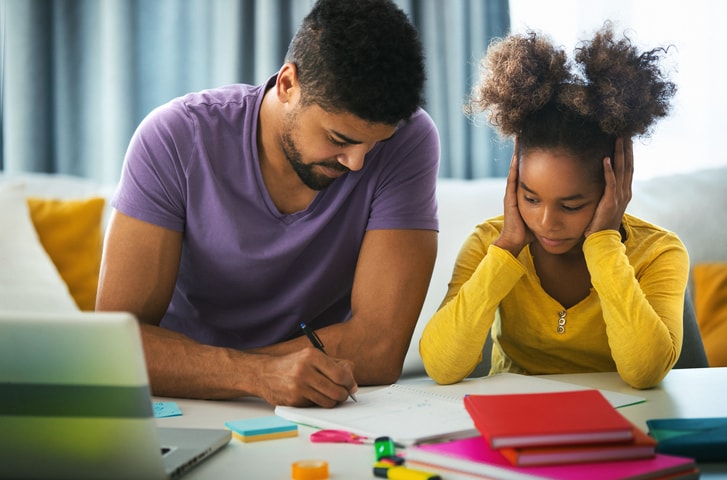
(577, 196)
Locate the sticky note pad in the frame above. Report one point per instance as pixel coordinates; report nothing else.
(166, 409)
(262, 428)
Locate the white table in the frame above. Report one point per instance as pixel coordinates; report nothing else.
(683, 393)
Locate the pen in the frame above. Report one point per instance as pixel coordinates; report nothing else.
(383, 470)
(318, 344)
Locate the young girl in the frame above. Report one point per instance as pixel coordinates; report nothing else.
(565, 281)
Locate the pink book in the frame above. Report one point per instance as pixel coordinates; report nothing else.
(474, 455)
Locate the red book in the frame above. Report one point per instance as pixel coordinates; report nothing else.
(642, 446)
(552, 418)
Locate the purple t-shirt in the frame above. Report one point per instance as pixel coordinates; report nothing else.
(249, 274)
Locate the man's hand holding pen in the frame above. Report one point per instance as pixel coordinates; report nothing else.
(294, 374)
(316, 342)
(306, 377)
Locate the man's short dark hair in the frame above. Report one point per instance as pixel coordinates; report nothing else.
(359, 56)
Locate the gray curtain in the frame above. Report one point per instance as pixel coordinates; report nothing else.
(79, 75)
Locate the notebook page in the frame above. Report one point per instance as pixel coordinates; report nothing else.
(407, 415)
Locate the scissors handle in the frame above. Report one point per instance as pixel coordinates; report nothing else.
(337, 436)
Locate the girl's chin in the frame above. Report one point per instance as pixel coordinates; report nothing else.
(556, 247)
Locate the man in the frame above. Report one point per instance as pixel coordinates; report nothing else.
(245, 211)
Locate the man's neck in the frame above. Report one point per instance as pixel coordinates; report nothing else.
(286, 190)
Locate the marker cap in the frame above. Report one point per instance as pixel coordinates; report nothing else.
(384, 447)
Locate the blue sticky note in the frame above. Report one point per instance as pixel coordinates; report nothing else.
(166, 409)
(261, 426)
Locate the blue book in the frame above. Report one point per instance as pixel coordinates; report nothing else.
(703, 439)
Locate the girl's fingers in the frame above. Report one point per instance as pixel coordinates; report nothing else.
(628, 165)
(512, 174)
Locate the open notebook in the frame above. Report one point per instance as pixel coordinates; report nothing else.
(75, 402)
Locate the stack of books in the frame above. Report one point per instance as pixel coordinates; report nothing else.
(563, 435)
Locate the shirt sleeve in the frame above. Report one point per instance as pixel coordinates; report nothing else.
(405, 196)
(643, 308)
(452, 341)
(152, 187)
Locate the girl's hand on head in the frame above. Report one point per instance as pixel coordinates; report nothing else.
(515, 234)
(617, 194)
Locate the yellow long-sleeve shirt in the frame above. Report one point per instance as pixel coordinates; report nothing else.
(630, 322)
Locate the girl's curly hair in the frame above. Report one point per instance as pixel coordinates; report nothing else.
(529, 88)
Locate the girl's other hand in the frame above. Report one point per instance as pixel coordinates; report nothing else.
(617, 193)
(515, 233)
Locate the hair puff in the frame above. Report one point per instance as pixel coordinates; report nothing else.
(627, 90)
(520, 74)
(609, 83)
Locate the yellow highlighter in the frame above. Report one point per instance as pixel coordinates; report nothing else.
(397, 472)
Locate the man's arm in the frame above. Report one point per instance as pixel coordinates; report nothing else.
(138, 274)
(391, 280)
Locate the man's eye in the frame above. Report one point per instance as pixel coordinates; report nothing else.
(530, 199)
(336, 142)
(568, 208)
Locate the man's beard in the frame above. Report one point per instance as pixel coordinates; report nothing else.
(305, 172)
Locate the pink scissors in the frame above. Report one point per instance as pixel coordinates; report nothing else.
(337, 436)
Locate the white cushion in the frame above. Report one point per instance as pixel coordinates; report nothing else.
(463, 204)
(692, 205)
(29, 281)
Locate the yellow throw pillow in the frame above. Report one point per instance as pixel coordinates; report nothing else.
(70, 231)
(710, 307)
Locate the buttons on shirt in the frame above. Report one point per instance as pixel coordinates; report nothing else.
(561, 321)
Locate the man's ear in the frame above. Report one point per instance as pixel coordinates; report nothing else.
(287, 86)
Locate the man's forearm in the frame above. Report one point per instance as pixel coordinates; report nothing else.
(181, 367)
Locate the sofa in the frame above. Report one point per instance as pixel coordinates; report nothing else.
(52, 228)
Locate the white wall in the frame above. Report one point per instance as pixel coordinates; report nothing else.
(691, 138)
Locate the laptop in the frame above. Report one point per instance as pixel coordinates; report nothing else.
(75, 402)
